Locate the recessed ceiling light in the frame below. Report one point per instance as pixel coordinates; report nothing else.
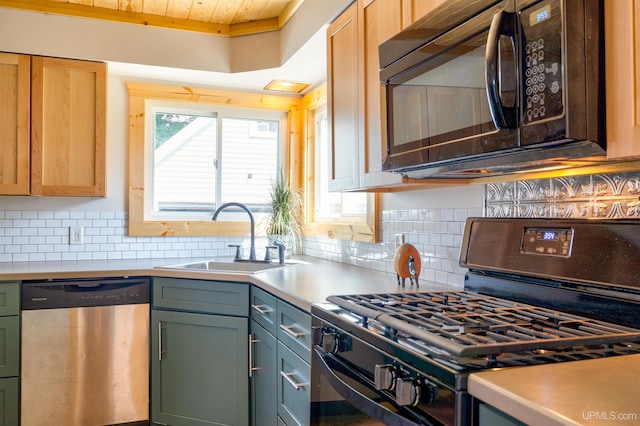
(286, 86)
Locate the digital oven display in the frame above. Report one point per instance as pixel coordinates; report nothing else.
(547, 241)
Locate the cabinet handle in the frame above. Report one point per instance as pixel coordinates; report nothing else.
(260, 309)
(287, 329)
(251, 367)
(160, 327)
(287, 377)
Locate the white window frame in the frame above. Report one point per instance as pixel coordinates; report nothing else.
(220, 113)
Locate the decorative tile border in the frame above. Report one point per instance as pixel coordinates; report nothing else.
(612, 196)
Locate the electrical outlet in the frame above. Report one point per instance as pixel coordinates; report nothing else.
(76, 234)
(399, 239)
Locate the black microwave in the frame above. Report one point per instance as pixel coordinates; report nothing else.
(492, 87)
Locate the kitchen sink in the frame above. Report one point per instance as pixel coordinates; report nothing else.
(233, 266)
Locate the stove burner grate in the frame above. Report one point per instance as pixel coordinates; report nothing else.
(467, 324)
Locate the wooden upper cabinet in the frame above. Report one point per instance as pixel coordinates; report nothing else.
(622, 59)
(14, 123)
(68, 127)
(379, 21)
(343, 100)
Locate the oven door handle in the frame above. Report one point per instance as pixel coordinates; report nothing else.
(355, 398)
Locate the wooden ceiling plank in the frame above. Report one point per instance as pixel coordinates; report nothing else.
(225, 11)
(48, 6)
(107, 4)
(155, 7)
(202, 10)
(179, 9)
(84, 2)
(134, 6)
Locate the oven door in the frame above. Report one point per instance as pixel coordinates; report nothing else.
(346, 390)
(456, 96)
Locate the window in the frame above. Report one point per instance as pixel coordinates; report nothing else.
(203, 157)
(347, 216)
(332, 206)
(192, 149)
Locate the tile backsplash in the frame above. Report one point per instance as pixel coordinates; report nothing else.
(612, 196)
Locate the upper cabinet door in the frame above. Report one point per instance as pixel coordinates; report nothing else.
(68, 127)
(14, 123)
(622, 61)
(343, 101)
(378, 20)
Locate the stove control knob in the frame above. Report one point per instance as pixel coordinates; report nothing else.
(330, 341)
(384, 377)
(407, 392)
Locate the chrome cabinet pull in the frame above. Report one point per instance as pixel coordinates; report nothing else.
(160, 327)
(260, 309)
(251, 367)
(288, 329)
(287, 377)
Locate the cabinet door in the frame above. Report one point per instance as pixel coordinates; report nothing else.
(15, 98)
(199, 369)
(68, 118)
(343, 100)
(264, 377)
(213, 297)
(9, 298)
(622, 59)
(9, 346)
(294, 387)
(9, 403)
(378, 20)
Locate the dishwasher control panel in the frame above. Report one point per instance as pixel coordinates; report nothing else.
(51, 294)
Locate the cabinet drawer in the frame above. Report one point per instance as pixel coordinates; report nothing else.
(213, 297)
(9, 298)
(9, 346)
(263, 309)
(294, 329)
(294, 387)
(9, 405)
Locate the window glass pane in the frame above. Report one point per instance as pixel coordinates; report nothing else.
(332, 205)
(184, 177)
(249, 161)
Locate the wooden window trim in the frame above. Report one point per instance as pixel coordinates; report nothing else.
(341, 230)
(139, 93)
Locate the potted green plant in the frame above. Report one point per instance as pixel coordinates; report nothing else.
(284, 222)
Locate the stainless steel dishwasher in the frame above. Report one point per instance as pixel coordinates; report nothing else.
(85, 352)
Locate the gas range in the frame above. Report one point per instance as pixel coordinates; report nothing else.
(537, 291)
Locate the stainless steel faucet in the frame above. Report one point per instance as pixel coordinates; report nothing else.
(252, 250)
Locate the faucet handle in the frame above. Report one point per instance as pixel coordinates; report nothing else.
(237, 246)
(281, 251)
(267, 253)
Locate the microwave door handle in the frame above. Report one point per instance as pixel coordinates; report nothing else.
(491, 70)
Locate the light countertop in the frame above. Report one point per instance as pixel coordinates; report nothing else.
(301, 284)
(604, 391)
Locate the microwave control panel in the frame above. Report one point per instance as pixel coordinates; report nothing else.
(542, 61)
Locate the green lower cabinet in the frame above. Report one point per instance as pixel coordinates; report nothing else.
(9, 402)
(199, 369)
(294, 387)
(264, 379)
